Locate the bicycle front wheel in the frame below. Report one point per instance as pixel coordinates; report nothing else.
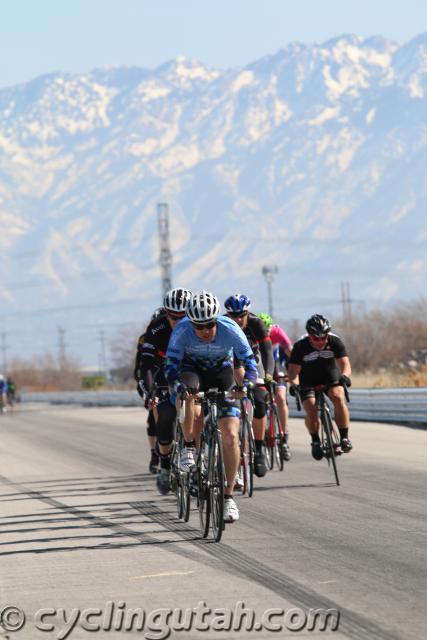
(328, 429)
(203, 501)
(216, 485)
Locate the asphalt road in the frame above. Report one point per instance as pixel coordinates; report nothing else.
(85, 539)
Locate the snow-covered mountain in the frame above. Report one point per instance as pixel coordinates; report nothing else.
(313, 159)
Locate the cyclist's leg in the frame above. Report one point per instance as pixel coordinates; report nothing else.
(282, 408)
(152, 441)
(312, 421)
(192, 380)
(259, 425)
(165, 433)
(228, 422)
(191, 427)
(342, 415)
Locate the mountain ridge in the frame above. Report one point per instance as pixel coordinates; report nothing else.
(312, 158)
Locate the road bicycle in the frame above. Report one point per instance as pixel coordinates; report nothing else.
(329, 435)
(210, 472)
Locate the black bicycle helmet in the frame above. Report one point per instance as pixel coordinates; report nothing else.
(318, 326)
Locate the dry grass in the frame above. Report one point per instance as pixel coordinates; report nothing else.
(384, 379)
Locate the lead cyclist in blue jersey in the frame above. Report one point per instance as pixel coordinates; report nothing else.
(200, 357)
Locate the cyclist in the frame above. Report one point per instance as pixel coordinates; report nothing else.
(3, 392)
(151, 352)
(282, 346)
(200, 357)
(320, 358)
(237, 307)
(11, 391)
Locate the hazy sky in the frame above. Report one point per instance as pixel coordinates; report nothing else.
(39, 36)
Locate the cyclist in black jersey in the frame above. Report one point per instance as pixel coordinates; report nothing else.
(254, 328)
(151, 352)
(320, 358)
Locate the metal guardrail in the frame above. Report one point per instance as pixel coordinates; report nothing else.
(376, 405)
(385, 405)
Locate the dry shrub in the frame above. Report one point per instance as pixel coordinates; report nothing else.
(45, 374)
(384, 340)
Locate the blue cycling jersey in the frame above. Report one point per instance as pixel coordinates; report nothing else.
(3, 386)
(186, 348)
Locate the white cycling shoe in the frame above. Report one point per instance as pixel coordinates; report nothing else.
(238, 482)
(231, 512)
(187, 458)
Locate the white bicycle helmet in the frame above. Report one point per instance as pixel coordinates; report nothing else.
(177, 300)
(203, 307)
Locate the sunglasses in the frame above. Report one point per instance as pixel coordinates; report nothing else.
(204, 325)
(237, 314)
(318, 338)
(175, 316)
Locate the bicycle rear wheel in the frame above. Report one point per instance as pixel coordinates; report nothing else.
(203, 501)
(328, 430)
(216, 485)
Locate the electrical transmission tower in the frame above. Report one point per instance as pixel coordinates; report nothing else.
(165, 256)
(61, 347)
(346, 300)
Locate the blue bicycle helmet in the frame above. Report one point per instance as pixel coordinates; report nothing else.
(238, 303)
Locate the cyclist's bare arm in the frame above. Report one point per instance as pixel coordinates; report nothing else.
(344, 366)
(293, 373)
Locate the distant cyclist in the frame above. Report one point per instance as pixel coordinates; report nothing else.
(282, 346)
(200, 357)
(3, 392)
(11, 391)
(320, 358)
(151, 352)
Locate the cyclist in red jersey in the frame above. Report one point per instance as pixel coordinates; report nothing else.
(282, 346)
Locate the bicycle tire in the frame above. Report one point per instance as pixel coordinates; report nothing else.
(269, 441)
(328, 429)
(186, 501)
(203, 501)
(278, 439)
(247, 457)
(216, 485)
(175, 472)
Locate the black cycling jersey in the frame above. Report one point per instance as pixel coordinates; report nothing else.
(261, 345)
(318, 367)
(151, 351)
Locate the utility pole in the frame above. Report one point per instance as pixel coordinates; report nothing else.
(4, 351)
(103, 357)
(346, 301)
(165, 256)
(61, 347)
(268, 273)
